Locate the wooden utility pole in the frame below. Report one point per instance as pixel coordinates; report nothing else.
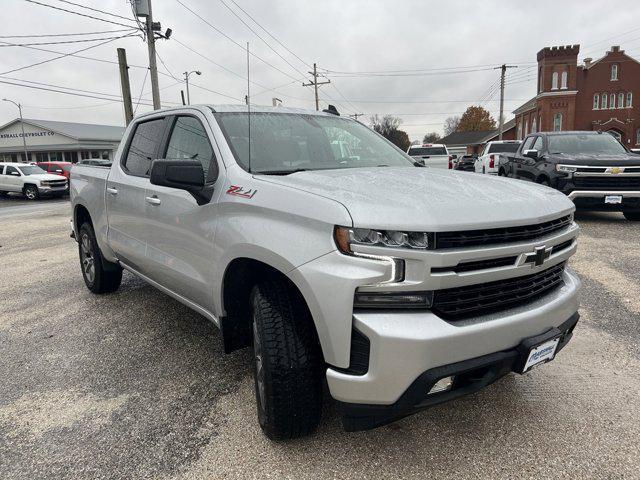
(153, 66)
(355, 115)
(315, 84)
(125, 86)
(503, 71)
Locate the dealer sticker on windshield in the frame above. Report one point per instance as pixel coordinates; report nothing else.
(540, 354)
(613, 199)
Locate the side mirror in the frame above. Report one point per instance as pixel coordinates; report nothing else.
(185, 175)
(453, 157)
(531, 154)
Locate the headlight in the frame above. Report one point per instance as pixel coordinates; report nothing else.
(44, 183)
(345, 237)
(392, 300)
(566, 168)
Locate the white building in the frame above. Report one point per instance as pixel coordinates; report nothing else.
(48, 140)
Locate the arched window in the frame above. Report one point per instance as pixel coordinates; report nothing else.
(638, 137)
(519, 130)
(629, 99)
(605, 101)
(557, 122)
(614, 72)
(526, 127)
(596, 101)
(540, 79)
(563, 81)
(554, 81)
(612, 100)
(621, 100)
(534, 126)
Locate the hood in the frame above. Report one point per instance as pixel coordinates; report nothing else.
(605, 160)
(45, 177)
(424, 199)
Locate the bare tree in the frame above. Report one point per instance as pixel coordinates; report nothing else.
(387, 126)
(431, 137)
(451, 125)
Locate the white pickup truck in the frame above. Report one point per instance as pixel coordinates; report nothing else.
(493, 154)
(399, 286)
(432, 155)
(30, 180)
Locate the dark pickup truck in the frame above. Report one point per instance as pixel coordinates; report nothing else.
(592, 168)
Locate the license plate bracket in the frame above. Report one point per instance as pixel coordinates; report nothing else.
(534, 351)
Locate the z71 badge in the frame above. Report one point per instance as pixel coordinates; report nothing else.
(241, 192)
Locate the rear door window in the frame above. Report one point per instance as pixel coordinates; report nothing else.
(143, 147)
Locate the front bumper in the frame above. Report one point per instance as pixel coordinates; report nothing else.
(470, 376)
(47, 190)
(405, 344)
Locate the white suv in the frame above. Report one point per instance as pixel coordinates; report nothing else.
(30, 180)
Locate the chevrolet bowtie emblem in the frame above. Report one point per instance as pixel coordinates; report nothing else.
(616, 170)
(539, 256)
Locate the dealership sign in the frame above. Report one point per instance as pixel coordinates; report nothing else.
(42, 133)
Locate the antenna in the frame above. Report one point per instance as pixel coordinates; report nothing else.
(249, 108)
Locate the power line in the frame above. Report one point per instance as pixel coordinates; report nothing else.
(232, 40)
(84, 40)
(144, 81)
(63, 55)
(78, 13)
(263, 40)
(418, 70)
(269, 33)
(68, 34)
(95, 10)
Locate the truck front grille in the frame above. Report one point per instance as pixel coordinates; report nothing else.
(492, 236)
(614, 182)
(462, 302)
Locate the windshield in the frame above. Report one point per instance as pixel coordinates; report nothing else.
(593, 143)
(503, 147)
(418, 151)
(31, 170)
(287, 142)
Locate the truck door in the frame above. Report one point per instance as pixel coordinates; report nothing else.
(520, 159)
(125, 194)
(12, 180)
(180, 232)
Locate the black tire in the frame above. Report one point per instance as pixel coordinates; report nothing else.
(544, 182)
(31, 192)
(287, 362)
(97, 278)
(483, 170)
(501, 173)
(633, 216)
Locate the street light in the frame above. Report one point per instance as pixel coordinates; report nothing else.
(186, 79)
(24, 139)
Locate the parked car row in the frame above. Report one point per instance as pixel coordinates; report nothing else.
(35, 180)
(592, 168)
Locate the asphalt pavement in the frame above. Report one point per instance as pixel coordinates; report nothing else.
(135, 385)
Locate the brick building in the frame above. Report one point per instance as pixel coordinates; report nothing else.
(596, 95)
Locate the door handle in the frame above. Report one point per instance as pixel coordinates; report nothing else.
(153, 200)
(112, 191)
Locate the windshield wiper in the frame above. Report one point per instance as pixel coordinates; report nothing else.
(280, 172)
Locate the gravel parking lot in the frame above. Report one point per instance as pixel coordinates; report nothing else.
(135, 385)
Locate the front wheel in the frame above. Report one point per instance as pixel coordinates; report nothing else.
(287, 362)
(31, 192)
(99, 275)
(633, 216)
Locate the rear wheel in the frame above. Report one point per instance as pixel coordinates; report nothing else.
(99, 275)
(287, 362)
(31, 192)
(633, 216)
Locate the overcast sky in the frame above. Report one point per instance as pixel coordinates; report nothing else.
(340, 35)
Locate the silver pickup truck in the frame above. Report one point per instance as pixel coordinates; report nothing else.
(399, 286)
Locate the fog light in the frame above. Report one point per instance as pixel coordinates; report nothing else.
(442, 385)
